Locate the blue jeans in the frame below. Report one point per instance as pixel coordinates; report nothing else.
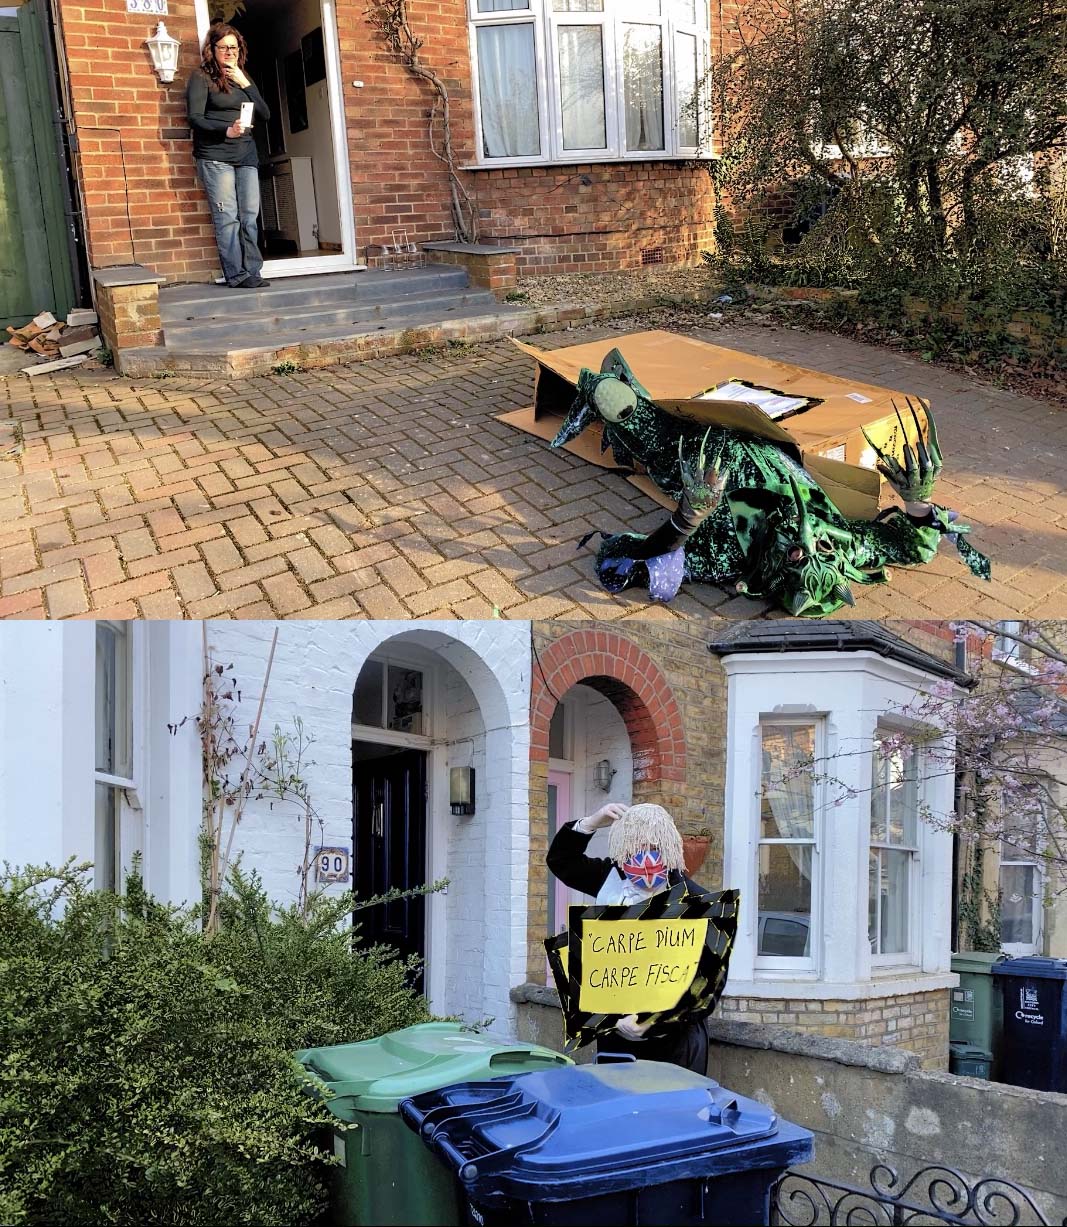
(233, 193)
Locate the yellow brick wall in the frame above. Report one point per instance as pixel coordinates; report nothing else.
(915, 1021)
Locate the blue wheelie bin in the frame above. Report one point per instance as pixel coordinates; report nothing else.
(609, 1144)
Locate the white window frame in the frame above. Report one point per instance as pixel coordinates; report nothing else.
(854, 692)
(394, 737)
(803, 964)
(1009, 651)
(546, 22)
(1011, 855)
(129, 789)
(909, 956)
(1027, 861)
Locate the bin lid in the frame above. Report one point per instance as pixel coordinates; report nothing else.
(969, 1052)
(374, 1075)
(1033, 967)
(980, 961)
(598, 1128)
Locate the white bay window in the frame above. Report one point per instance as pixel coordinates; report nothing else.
(894, 851)
(845, 886)
(588, 80)
(787, 843)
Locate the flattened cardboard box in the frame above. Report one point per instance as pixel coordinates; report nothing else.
(827, 438)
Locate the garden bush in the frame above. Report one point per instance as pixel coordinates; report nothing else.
(919, 146)
(146, 1073)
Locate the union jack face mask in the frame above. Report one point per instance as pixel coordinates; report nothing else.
(646, 869)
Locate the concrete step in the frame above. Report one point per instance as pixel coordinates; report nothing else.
(297, 326)
(186, 302)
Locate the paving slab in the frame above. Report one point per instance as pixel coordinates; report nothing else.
(388, 489)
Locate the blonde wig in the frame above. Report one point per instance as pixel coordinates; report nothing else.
(646, 826)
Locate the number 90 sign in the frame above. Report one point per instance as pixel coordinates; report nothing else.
(332, 864)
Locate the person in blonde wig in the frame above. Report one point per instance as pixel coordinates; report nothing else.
(644, 858)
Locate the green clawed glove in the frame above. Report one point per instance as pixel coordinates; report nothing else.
(914, 481)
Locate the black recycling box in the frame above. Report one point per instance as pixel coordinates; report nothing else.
(1033, 1048)
(608, 1144)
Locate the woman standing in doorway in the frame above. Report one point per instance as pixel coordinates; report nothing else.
(227, 161)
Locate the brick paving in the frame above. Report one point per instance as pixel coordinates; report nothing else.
(387, 490)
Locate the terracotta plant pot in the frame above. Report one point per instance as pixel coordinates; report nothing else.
(694, 852)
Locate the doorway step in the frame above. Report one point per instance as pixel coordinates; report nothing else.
(314, 321)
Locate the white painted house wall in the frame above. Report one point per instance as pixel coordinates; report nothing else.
(480, 683)
(479, 678)
(47, 707)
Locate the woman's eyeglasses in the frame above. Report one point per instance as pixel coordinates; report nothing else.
(228, 47)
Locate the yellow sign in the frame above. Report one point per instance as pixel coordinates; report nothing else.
(638, 966)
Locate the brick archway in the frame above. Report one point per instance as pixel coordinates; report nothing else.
(619, 670)
(632, 680)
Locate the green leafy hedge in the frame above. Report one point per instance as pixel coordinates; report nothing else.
(146, 1073)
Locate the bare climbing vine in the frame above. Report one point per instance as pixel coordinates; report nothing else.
(390, 19)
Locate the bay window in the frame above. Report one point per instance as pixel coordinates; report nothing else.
(588, 80)
(894, 851)
(787, 842)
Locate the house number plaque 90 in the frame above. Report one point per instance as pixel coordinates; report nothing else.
(332, 864)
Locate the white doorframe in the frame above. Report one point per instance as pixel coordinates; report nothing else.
(344, 260)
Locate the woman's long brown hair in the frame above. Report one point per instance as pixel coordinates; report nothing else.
(209, 65)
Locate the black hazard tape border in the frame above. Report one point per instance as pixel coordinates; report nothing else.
(679, 903)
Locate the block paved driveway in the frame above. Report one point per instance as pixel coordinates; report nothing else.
(387, 490)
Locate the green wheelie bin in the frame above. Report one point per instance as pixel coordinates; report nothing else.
(976, 1015)
(386, 1175)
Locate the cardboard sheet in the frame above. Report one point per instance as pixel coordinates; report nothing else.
(826, 437)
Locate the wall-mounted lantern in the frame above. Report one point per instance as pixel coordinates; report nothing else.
(461, 790)
(164, 52)
(603, 774)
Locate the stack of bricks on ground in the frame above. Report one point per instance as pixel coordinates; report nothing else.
(58, 343)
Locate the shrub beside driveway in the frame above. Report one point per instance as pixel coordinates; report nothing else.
(146, 1073)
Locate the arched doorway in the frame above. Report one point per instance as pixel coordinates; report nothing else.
(604, 726)
(423, 703)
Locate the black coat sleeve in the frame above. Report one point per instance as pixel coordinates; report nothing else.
(261, 108)
(196, 94)
(568, 861)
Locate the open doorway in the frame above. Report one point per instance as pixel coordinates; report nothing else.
(306, 220)
(389, 844)
(590, 763)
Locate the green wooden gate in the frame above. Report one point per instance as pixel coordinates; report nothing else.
(35, 271)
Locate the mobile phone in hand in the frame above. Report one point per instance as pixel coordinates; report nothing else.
(247, 109)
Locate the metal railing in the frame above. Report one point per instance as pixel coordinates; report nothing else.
(932, 1195)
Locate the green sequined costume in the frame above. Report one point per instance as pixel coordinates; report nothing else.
(774, 533)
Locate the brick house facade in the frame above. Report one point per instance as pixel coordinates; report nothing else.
(686, 716)
(141, 203)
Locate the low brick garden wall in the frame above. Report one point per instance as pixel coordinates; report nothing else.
(1039, 333)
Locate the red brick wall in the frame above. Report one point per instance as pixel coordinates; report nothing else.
(135, 168)
(143, 204)
(562, 224)
(631, 679)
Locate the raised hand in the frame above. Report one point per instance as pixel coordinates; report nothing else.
(702, 484)
(914, 481)
(605, 816)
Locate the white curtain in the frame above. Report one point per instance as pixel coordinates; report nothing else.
(581, 79)
(642, 60)
(787, 780)
(507, 81)
(501, 6)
